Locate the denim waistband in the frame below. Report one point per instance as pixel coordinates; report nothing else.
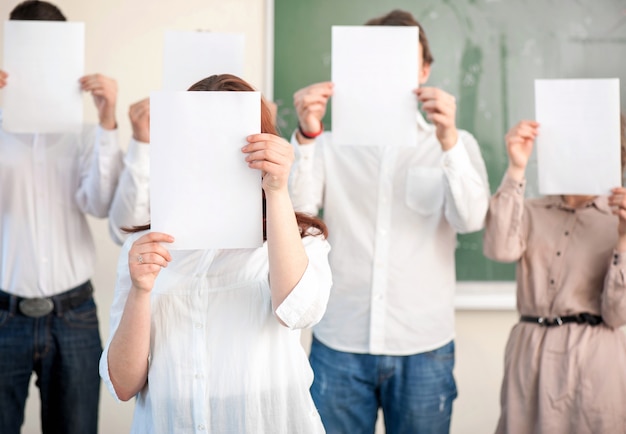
(57, 304)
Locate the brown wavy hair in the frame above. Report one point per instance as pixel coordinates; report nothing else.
(307, 224)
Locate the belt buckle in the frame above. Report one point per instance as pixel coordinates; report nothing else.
(36, 307)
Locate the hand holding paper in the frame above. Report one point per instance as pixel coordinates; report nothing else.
(273, 156)
(139, 114)
(440, 108)
(104, 92)
(519, 146)
(310, 103)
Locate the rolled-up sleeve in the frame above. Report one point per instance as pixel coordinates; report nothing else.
(306, 304)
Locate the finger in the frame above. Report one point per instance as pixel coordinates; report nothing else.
(253, 150)
(428, 93)
(275, 169)
(154, 237)
(439, 106)
(323, 88)
(152, 258)
(267, 137)
(268, 155)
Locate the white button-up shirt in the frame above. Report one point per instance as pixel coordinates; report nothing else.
(393, 214)
(48, 183)
(220, 361)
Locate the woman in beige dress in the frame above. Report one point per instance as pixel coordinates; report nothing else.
(565, 360)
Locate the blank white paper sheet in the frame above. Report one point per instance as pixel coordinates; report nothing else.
(578, 146)
(374, 72)
(188, 57)
(44, 60)
(202, 191)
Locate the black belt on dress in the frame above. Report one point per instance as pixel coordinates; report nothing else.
(581, 318)
(41, 306)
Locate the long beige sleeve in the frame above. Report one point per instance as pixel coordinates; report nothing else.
(504, 238)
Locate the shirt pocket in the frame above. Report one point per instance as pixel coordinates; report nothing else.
(424, 189)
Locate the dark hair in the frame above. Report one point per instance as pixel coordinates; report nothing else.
(308, 224)
(35, 10)
(399, 17)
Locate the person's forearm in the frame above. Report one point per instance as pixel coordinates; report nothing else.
(130, 347)
(287, 257)
(516, 173)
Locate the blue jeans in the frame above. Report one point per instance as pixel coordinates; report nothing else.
(63, 348)
(415, 392)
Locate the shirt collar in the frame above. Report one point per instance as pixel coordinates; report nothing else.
(601, 203)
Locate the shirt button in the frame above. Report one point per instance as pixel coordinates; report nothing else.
(198, 325)
(201, 427)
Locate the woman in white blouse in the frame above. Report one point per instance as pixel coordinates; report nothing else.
(213, 343)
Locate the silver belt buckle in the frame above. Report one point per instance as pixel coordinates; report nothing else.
(36, 307)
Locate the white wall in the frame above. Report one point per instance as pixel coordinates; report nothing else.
(124, 40)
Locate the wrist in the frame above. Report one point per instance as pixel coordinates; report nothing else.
(310, 135)
(449, 139)
(516, 173)
(108, 123)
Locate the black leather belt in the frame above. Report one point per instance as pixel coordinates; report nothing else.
(581, 318)
(41, 306)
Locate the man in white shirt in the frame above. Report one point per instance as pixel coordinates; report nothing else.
(48, 321)
(387, 338)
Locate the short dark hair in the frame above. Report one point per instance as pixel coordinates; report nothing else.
(399, 17)
(35, 10)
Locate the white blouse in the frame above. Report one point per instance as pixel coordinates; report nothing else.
(220, 361)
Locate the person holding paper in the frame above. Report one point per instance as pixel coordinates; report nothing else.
(131, 204)
(565, 361)
(208, 340)
(48, 324)
(387, 339)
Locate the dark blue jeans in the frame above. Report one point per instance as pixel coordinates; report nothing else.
(63, 349)
(415, 392)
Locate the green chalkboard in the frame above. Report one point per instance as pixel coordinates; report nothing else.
(487, 53)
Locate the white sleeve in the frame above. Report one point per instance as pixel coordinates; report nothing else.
(467, 188)
(100, 168)
(307, 178)
(306, 304)
(131, 204)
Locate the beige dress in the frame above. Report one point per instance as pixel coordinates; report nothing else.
(571, 378)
